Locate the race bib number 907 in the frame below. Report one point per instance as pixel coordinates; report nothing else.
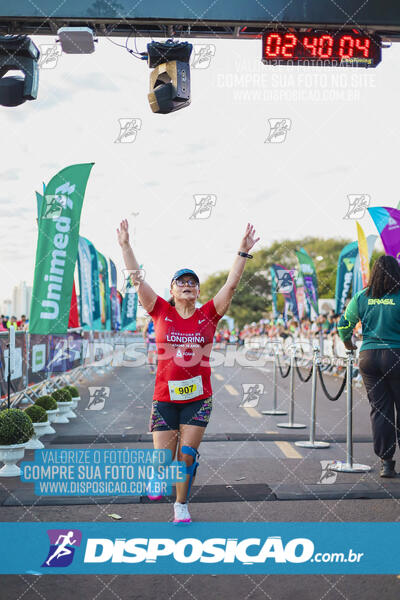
(185, 389)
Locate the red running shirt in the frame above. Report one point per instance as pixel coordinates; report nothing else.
(183, 350)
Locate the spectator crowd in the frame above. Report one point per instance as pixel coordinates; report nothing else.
(323, 327)
(6, 322)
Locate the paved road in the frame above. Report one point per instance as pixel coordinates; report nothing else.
(250, 470)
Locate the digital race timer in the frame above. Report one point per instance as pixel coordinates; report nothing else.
(321, 48)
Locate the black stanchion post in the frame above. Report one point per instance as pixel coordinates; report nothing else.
(312, 443)
(275, 410)
(291, 424)
(349, 466)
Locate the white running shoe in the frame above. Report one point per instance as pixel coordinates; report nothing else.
(181, 513)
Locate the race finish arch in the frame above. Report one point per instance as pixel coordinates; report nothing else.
(238, 19)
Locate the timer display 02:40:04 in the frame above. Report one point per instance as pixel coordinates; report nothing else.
(321, 48)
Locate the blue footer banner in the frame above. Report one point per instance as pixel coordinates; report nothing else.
(214, 548)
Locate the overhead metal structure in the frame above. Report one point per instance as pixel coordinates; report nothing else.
(236, 19)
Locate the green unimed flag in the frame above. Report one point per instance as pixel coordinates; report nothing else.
(57, 250)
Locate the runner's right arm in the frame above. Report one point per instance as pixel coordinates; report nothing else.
(146, 294)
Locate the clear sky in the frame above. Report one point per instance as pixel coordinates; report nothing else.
(344, 139)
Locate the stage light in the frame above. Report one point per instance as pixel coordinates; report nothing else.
(170, 79)
(18, 53)
(76, 40)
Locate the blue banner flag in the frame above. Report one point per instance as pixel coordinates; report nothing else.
(275, 312)
(129, 307)
(286, 286)
(85, 283)
(96, 315)
(115, 306)
(344, 274)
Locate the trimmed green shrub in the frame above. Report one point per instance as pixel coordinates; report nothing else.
(36, 413)
(46, 402)
(15, 427)
(62, 396)
(73, 390)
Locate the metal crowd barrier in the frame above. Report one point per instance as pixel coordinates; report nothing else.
(349, 466)
(291, 423)
(47, 362)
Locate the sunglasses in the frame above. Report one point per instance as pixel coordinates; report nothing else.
(189, 282)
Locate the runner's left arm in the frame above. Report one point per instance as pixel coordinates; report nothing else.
(223, 298)
(146, 294)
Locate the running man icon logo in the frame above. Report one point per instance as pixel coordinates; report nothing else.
(203, 205)
(62, 547)
(98, 397)
(202, 55)
(49, 55)
(54, 205)
(128, 129)
(327, 476)
(278, 129)
(358, 204)
(285, 281)
(251, 394)
(64, 351)
(134, 277)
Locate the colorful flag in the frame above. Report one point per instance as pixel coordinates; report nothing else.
(363, 255)
(96, 311)
(129, 307)
(344, 274)
(73, 320)
(39, 200)
(301, 296)
(357, 277)
(57, 250)
(85, 283)
(104, 292)
(275, 312)
(309, 274)
(115, 307)
(286, 286)
(387, 222)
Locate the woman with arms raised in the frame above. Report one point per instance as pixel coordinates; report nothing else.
(182, 400)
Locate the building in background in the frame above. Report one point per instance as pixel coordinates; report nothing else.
(6, 308)
(21, 301)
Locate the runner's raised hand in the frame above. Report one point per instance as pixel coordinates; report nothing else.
(122, 233)
(249, 238)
